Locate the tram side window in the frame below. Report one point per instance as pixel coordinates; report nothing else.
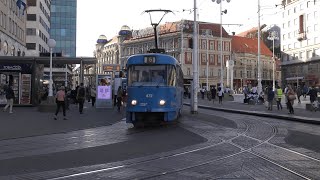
(172, 76)
(180, 76)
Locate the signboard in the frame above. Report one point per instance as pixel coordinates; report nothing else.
(104, 91)
(111, 67)
(25, 89)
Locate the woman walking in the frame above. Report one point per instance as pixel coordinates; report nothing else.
(10, 98)
(290, 99)
(60, 100)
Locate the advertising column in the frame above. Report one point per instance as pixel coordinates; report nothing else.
(104, 91)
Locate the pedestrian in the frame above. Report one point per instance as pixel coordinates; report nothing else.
(124, 97)
(202, 93)
(299, 93)
(213, 93)
(270, 98)
(81, 94)
(10, 98)
(279, 94)
(119, 97)
(93, 95)
(60, 101)
(290, 99)
(313, 94)
(220, 94)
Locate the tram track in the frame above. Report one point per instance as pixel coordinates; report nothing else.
(186, 152)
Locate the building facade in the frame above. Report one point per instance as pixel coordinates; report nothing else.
(12, 29)
(300, 42)
(63, 26)
(38, 27)
(245, 71)
(176, 39)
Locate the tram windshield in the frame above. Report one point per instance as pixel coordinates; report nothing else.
(155, 75)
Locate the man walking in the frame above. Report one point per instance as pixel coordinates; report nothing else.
(81, 94)
(279, 94)
(10, 98)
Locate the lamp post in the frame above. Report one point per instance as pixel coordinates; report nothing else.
(273, 35)
(259, 51)
(66, 76)
(194, 107)
(52, 44)
(221, 56)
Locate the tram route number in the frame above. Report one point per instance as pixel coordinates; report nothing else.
(148, 95)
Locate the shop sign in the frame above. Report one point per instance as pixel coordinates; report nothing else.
(23, 68)
(110, 67)
(10, 68)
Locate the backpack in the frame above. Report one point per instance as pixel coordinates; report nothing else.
(81, 92)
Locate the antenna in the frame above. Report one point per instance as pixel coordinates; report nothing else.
(155, 24)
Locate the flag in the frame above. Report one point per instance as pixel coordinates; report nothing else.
(22, 5)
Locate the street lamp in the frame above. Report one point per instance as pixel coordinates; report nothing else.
(221, 56)
(194, 107)
(52, 44)
(259, 51)
(273, 35)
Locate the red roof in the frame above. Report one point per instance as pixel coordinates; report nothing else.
(215, 28)
(245, 33)
(249, 45)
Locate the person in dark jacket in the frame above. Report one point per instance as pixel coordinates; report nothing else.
(313, 94)
(213, 93)
(10, 98)
(81, 94)
(270, 98)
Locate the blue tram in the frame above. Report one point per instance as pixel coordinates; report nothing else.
(155, 89)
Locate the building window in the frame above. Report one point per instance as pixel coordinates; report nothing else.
(32, 2)
(31, 31)
(235, 73)
(211, 72)
(289, 22)
(31, 17)
(188, 71)
(316, 27)
(309, 54)
(295, 21)
(31, 46)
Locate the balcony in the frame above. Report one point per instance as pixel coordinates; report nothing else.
(302, 36)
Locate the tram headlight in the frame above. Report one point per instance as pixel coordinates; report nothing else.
(162, 102)
(134, 102)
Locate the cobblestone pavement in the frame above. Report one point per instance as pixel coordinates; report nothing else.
(301, 114)
(28, 121)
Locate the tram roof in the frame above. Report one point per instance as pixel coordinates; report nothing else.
(160, 59)
(46, 60)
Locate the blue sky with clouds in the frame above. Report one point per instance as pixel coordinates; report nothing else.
(96, 17)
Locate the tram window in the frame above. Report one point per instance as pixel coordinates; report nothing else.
(172, 76)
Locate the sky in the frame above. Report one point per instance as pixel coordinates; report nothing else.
(106, 17)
